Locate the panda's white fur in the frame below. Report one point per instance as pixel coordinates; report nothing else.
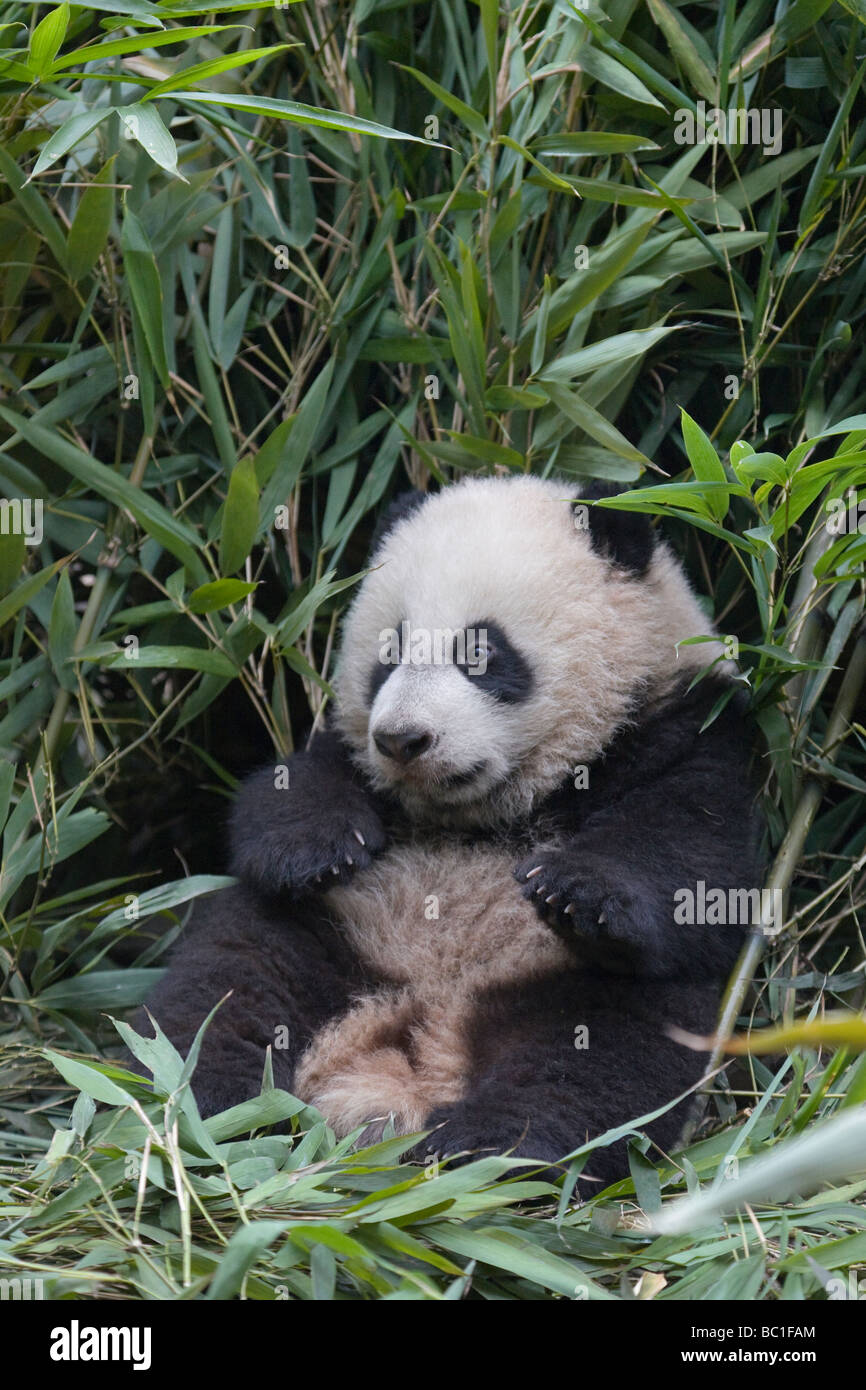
(441, 919)
(591, 635)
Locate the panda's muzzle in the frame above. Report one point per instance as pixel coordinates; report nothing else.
(403, 747)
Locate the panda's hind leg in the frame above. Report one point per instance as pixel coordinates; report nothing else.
(287, 972)
(559, 1061)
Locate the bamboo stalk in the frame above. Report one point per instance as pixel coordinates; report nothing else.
(805, 610)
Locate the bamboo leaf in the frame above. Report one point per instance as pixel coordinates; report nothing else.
(46, 40)
(199, 72)
(245, 1246)
(590, 420)
(590, 142)
(833, 1030)
(95, 52)
(289, 448)
(240, 517)
(162, 658)
(145, 125)
(297, 111)
(145, 288)
(13, 549)
(470, 118)
(88, 1079)
(706, 464)
(615, 75)
(619, 347)
(101, 990)
(92, 222)
(683, 48)
(67, 136)
(490, 26)
(62, 631)
(29, 587)
(220, 593)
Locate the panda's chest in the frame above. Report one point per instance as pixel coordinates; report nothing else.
(444, 918)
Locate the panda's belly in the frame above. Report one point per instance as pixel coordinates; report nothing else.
(437, 920)
(443, 925)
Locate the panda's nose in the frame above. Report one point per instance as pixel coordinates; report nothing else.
(405, 746)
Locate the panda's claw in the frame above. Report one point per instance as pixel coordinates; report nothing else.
(360, 838)
(587, 901)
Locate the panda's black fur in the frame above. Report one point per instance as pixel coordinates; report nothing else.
(322, 934)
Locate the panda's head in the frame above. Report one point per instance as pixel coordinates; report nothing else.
(501, 638)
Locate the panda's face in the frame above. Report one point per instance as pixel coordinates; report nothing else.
(492, 648)
(446, 709)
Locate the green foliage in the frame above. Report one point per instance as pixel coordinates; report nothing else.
(261, 270)
(143, 1199)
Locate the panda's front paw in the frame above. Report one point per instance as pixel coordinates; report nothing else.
(309, 842)
(329, 852)
(588, 901)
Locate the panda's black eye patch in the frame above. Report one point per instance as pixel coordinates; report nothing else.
(391, 651)
(481, 651)
(486, 657)
(378, 676)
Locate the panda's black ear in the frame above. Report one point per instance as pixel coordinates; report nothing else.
(396, 511)
(626, 538)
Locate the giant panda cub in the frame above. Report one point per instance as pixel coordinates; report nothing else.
(457, 906)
